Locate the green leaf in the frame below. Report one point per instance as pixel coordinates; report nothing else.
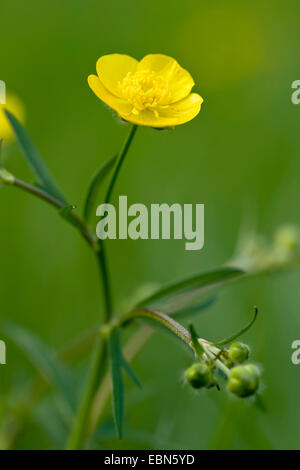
(116, 363)
(34, 158)
(130, 372)
(44, 360)
(240, 332)
(179, 295)
(197, 346)
(65, 214)
(95, 186)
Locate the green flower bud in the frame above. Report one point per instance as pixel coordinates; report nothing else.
(238, 352)
(244, 380)
(199, 375)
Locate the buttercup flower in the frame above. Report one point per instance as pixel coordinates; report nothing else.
(14, 105)
(154, 92)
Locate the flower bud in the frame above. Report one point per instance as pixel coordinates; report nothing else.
(199, 375)
(244, 380)
(238, 352)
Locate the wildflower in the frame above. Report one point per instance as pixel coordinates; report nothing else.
(14, 105)
(154, 92)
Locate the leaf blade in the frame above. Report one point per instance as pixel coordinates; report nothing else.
(43, 359)
(194, 309)
(95, 185)
(130, 372)
(65, 212)
(34, 158)
(180, 294)
(197, 346)
(117, 380)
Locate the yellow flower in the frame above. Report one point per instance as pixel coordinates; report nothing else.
(14, 105)
(154, 92)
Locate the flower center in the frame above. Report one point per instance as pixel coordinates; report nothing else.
(144, 89)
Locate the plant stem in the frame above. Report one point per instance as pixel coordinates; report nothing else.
(160, 319)
(77, 436)
(102, 254)
(78, 433)
(210, 352)
(130, 350)
(84, 230)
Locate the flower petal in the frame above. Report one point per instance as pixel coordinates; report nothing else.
(112, 68)
(169, 115)
(183, 110)
(180, 80)
(121, 106)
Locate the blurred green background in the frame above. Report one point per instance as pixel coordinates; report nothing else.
(241, 151)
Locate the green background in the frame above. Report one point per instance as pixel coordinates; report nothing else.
(241, 152)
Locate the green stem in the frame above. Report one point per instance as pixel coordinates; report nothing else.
(103, 265)
(9, 179)
(77, 437)
(211, 352)
(159, 319)
(120, 159)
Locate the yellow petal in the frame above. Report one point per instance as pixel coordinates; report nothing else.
(180, 80)
(169, 115)
(112, 68)
(118, 104)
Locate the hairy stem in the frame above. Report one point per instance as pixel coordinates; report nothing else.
(160, 319)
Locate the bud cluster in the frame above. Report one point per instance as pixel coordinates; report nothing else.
(242, 379)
